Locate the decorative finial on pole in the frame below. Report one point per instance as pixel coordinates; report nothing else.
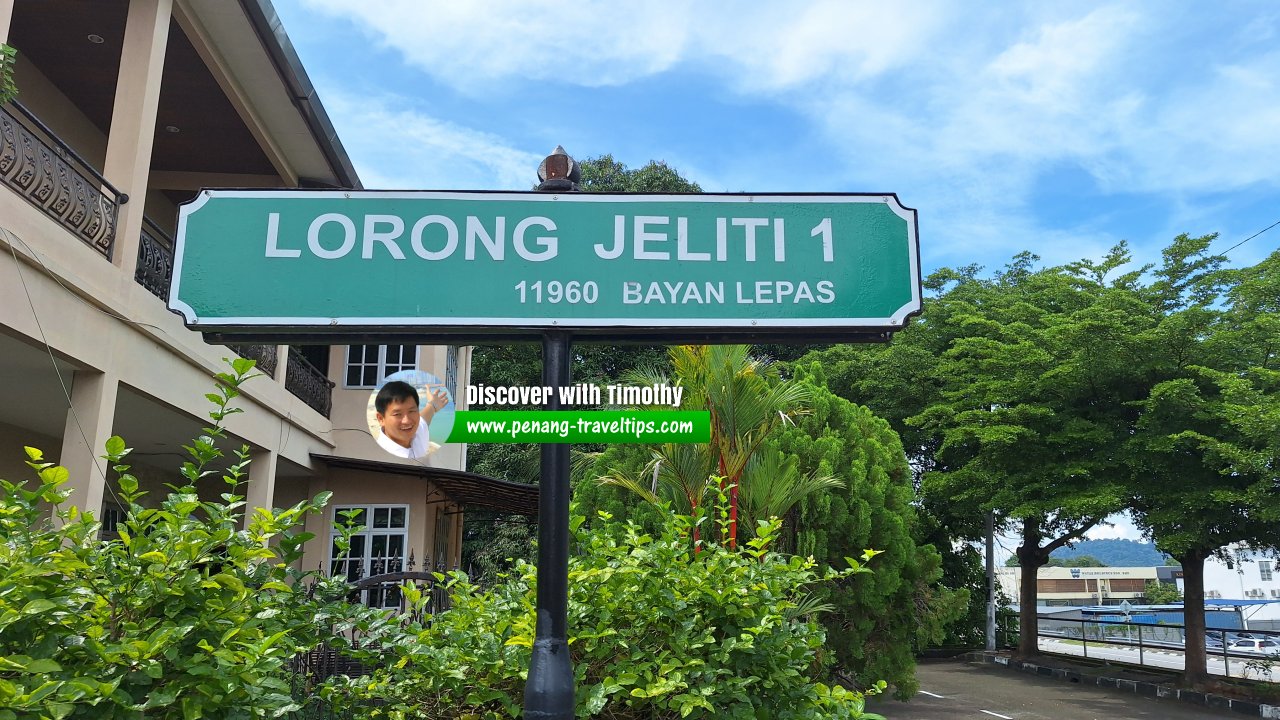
(558, 172)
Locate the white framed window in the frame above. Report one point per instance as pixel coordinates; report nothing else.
(1264, 570)
(379, 546)
(368, 365)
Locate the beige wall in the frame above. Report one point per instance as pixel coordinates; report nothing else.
(350, 410)
(13, 465)
(53, 108)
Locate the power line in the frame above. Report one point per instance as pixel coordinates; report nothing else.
(66, 393)
(1233, 247)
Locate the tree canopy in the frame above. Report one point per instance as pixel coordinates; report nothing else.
(1054, 396)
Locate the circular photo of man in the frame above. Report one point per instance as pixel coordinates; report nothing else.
(407, 410)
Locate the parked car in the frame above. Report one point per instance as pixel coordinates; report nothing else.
(1254, 646)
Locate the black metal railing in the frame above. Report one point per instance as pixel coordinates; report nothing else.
(267, 356)
(49, 174)
(1134, 642)
(348, 650)
(155, 260)
(308, 384)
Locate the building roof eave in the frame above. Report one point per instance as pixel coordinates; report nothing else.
(464, 488)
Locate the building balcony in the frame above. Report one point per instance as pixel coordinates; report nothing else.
(45, 171)
(49, 174)
(155, 260)
(308, 384)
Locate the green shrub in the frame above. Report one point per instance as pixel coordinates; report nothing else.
(185, 615)
(657, 631)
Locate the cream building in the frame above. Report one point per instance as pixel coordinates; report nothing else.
(1080, 587)
(126, 109)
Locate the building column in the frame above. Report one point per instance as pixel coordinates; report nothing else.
(282, 363)
(133, 120)
(92, 412)
(6, 17)
(261, 492)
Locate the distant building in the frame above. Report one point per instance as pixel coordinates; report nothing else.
(1250, 575)
(1080, 587)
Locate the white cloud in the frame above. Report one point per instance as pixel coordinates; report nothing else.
(1121, 527)
(597, 43)
(961, 108)
(465, 43)
(395, 146)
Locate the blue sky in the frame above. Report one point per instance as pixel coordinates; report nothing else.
(1060, 128)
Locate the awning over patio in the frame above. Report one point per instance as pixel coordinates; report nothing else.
(466, 489)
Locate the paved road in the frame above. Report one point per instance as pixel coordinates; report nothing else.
(987, 692)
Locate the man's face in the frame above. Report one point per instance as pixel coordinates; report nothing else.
(400, 421)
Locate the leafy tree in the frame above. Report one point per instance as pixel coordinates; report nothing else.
(605, 174)
(1034, 412)
(1214, 337)
(1158, 593)
(879, 623)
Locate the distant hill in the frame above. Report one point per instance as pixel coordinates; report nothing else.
(1117, 553)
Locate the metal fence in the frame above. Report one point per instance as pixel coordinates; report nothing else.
(1103, 637)
(309, 670)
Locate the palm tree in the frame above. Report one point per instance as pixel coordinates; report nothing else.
(747, 401)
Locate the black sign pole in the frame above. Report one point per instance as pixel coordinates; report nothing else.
(549, 690)
(548, 693)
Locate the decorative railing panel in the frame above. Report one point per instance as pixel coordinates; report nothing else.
(266, 355)
(155, 262)
(50, 175)
(308, 384)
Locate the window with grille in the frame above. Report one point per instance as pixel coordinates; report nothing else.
(451, 371)
(112, 516)
(378, 547)
(1264, 570)
(368, 365)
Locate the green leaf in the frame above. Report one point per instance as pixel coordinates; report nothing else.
(43, 665)
(36, 607)
(115, 447)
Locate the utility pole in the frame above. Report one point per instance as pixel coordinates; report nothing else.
(991, 580)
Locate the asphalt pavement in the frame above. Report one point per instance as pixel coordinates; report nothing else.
(956, 689)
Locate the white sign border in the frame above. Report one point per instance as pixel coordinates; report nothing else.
(896, 320)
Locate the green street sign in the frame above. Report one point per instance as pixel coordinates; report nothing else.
(339, 262)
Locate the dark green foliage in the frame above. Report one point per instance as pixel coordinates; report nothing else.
(1203, 477)
(8, 58)
(489, 542)
(655, 632)
(604, 174)
(879, 622)
(1057, 395)
(1158, 593)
